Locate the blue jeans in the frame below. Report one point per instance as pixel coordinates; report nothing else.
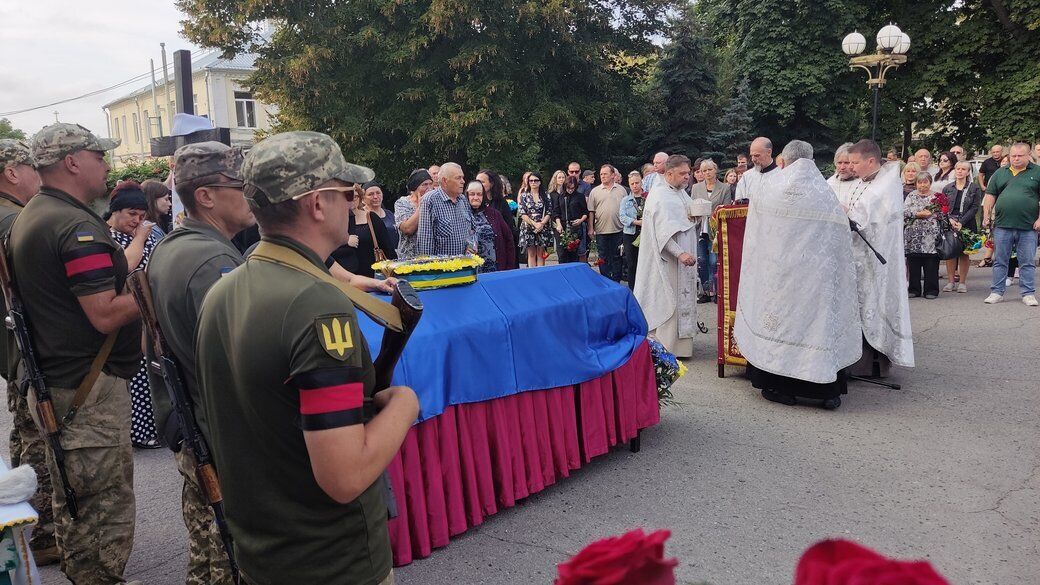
(706, 263)
(608, 247)
(1024, 244)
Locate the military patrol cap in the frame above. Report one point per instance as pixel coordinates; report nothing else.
(53, 142)
(15, 152)
(285, 165)
(204, 159)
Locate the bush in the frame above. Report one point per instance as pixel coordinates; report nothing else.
(140, 171)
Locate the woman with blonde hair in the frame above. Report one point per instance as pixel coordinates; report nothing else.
(910, 177)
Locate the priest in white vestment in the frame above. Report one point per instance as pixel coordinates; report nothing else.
(844, 180)
(666, 273)
(797, 313)
(876, 205)
(755, 179)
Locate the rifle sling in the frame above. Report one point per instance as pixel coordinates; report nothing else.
(88, 382)
(382, 313)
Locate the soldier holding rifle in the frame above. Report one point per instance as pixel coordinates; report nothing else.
(285, 374)
(84, 333)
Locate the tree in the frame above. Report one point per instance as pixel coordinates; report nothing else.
(9, 131)
(685, 88)
(733, 131)
(513, 85)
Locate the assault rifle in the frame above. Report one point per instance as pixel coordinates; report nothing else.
(205, 472)
(411, 307)
(18, 321)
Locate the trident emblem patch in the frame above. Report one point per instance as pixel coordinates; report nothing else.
(335, 337)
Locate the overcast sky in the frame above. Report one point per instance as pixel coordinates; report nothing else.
(58, 49)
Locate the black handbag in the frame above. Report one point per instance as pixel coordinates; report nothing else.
(948, 244)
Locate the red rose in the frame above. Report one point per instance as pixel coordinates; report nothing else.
(843, 562)
(600, 262)
(630, 559)
(572, 246)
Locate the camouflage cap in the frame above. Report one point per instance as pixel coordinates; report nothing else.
(285, 165)
(204, 159)
(53, 142)
(15, 152)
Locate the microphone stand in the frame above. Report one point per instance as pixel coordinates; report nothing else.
(875, 373)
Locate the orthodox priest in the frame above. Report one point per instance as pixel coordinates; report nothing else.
(753, 181)
(876, 206)
(797, 321)
(666, 277)
(844, 180)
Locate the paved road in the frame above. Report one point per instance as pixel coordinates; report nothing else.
(945, 469)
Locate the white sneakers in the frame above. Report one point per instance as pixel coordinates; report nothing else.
(950, 287)
(962, 288)
(1030, 301)
(993, 299)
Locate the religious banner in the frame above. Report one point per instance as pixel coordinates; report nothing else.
(729, 240)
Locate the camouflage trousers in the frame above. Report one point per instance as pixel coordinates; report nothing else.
(389, 580)
(100, 466)
(27, 447)
(207, 560)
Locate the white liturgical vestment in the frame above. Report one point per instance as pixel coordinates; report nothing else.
(883, 304)
(797, 313)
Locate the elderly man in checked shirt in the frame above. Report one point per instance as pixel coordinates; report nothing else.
(445, 217)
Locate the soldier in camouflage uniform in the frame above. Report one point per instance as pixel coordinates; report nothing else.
(283, 374)
(19, 181)
(182, 269)
(71, 276)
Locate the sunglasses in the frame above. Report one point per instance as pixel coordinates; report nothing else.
(349, 192)
(573, 172)
(534, 180)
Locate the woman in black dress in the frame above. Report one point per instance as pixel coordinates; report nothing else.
(130, 228)
(358, 254)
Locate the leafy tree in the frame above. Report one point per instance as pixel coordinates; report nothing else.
(512, 84)
(685, 87)
(140, 171)
(9, 131)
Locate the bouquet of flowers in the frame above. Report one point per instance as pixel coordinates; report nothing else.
(570, 240)
(667, 369)
(972, 241)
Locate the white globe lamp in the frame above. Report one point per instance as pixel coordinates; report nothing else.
(853, 44)
(889, 37)
(903, 46)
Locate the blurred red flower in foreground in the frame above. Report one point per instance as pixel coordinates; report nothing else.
(843, 562)
(631, 559)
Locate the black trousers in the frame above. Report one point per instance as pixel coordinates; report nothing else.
(631, 258)
(926, 266)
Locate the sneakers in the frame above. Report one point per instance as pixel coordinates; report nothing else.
(993, 299)
(950, 287)
(1030, 301)
(962, 288)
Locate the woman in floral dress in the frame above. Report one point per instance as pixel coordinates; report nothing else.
(535, 235)
(127, 223)
(922, 211)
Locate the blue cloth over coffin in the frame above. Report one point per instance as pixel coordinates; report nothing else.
(515, 331)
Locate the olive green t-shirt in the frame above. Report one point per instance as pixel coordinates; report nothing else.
(9, 209)
(60, 250)
(279, 352)
(1018, 197)
(182, 269)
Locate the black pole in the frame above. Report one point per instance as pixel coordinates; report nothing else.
(873, 123)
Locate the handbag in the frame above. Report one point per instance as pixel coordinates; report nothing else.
(380, 256)
(948, 244)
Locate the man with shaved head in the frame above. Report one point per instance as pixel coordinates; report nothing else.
(752, 182)
(651, 179)
(924, 159)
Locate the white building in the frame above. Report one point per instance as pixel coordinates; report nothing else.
(218, 95)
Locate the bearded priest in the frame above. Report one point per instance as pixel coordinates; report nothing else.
(797, 321)
(844, 180)
(876, 206)
(666, 273)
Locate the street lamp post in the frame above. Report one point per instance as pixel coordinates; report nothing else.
(892, 45)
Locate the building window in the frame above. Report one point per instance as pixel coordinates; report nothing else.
(147, 126)
(195, 103)
(125, 133)
(115, 128)
(137, 129)
(245, 109)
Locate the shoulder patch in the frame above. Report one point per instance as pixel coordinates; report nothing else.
(84, 237)
(336, 335)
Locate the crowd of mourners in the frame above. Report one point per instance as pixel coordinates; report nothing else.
(579, 215)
